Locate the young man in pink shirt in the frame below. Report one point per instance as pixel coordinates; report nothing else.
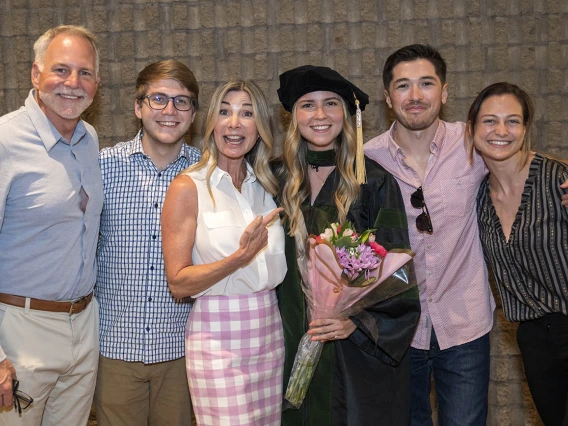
(439, 186)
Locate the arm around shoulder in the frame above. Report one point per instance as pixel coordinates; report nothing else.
(565, 196)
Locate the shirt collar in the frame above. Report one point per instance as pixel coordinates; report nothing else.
(136, 145)
(47, 132)
(435, 146)
(218, 174)
(137, 148)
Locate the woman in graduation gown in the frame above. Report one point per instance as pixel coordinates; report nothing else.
(363, 376)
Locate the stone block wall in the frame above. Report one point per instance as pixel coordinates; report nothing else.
(483, 41)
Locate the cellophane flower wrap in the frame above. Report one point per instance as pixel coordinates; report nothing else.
(343, 272)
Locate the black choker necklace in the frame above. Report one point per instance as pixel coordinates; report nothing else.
(320, 158)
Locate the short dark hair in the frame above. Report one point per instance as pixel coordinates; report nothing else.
(168, 69)
(500, 89)
(410, 53)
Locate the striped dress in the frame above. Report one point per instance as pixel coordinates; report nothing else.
(531, 269)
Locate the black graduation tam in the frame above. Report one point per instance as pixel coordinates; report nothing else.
(296, 82)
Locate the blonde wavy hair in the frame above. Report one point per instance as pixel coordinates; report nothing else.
(258, 157)
(294, 172)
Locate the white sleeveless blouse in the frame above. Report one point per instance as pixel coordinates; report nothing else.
(219, 229)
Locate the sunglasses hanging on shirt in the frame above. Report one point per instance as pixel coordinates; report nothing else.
(423, 222)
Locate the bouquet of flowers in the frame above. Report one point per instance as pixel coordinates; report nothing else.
(346, 272)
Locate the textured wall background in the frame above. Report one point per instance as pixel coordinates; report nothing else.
(483, 41)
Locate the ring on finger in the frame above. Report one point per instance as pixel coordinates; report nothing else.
(336, 337)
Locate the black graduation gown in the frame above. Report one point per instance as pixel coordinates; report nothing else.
(362, 380)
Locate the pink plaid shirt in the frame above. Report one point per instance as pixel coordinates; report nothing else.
(452, 277)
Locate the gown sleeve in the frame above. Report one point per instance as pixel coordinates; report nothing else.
(385, 329)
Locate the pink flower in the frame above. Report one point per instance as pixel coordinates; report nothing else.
(327, 234)
(379, 249)
(340, 277)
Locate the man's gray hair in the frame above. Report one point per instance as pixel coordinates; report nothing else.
(42, 43)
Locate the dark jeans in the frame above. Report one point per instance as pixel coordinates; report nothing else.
(461, 380)
(544, 347)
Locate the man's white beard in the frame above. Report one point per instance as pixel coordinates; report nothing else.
(59, 105)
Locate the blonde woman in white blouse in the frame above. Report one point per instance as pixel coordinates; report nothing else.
(223, 244)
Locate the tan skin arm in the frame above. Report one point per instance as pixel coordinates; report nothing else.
(179, 221)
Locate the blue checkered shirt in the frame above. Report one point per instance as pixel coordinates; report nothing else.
(139, 318)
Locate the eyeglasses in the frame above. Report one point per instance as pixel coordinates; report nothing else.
(181, 102)
(21, 400)
(423, 222)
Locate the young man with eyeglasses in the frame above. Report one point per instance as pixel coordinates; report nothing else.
(142, 377)
(439, 186)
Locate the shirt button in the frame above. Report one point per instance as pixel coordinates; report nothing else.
(159, 175)
(151, 268)
(156, 205)
(429, 246)
(147, 328)
(429, 299)
(149, 299)
(153, 237)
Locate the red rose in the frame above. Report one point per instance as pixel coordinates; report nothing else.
(379, 249)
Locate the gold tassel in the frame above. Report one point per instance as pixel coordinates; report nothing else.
(360, 158)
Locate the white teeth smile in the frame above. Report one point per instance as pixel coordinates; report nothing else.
(499, 142)
(69, 96)
(321, 127)
(234, 139)
(167, 123)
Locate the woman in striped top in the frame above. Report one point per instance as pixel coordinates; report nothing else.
(524, 232)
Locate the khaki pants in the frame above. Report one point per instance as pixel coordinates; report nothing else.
(55, 356)
(133, 393)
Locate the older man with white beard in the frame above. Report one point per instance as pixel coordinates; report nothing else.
(50, 204)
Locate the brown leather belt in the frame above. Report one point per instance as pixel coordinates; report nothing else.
(74, 307)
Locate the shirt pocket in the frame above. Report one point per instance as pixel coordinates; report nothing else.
(224, 230)
(275, 235)
(458, 195)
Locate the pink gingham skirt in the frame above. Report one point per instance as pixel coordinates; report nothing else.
(234, 349)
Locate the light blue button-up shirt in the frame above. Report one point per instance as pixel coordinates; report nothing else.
(47, 242)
